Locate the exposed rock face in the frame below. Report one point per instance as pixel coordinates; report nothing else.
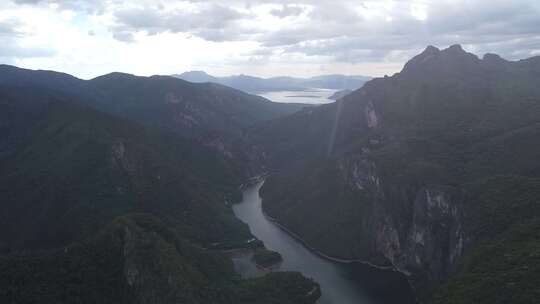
(172, 98)
(427, 242)
(371, 116)
(433, 241)
(360, 172)
(119, 158)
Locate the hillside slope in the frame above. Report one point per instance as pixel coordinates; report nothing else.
(137, 259)
(76, 168)
(99, 209)
(212, 114)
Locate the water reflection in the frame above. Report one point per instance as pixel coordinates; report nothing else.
(313, 96)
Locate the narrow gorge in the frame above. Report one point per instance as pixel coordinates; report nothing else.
(394, 173)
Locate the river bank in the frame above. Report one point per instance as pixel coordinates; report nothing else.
(321, 254)
(341, 281)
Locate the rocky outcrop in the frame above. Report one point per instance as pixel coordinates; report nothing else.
(426, 244)
(428, 249)
(371, 116)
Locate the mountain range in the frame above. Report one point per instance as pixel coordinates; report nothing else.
(212, 114)
(118, 189)
(257, 85)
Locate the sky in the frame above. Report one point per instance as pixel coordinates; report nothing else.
(88, 38)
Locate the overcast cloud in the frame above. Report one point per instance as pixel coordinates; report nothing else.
(267, 38)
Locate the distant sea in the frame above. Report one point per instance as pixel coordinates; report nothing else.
(311, 96)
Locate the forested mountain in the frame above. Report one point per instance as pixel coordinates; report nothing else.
(75, 168)
(100, 209)
(210, 113)
(433, 171)
(114, 190)
(256, 84)
(138, 259)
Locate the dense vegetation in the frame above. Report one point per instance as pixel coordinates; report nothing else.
(504, 217)
(76, 169)
(137, 259)
(211, 114)
(500, 270)
(266, 258)
(99, 209)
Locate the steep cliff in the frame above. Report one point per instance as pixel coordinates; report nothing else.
(386, 174)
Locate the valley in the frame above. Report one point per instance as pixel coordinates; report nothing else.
(340, 283)
(130, 189)
(269, 152)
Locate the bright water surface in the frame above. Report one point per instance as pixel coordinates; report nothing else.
(312, 96)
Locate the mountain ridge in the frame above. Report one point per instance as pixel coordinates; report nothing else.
(212, 114)
(278, 83)
(98, 208)
(384, 172)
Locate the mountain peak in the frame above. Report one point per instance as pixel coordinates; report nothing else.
(198, 73)
(115, 76)
(456, 54)
(421, 59)
(430, 49)
(455, 48)
(490, 58)
(432, 57)
(196, 76)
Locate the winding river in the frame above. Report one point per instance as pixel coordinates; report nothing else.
(340, 283)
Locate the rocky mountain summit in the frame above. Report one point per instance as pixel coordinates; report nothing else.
(403, 172)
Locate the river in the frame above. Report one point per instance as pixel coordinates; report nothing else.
(340, 283)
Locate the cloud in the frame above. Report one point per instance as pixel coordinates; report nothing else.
(8, 28)
(10, 47)
(18, 51)
(287, 11)
(12, 32)
(123, 36)
(376, 31)
(211, 22)
(86, 6)
(27, 1)
(314, 33)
